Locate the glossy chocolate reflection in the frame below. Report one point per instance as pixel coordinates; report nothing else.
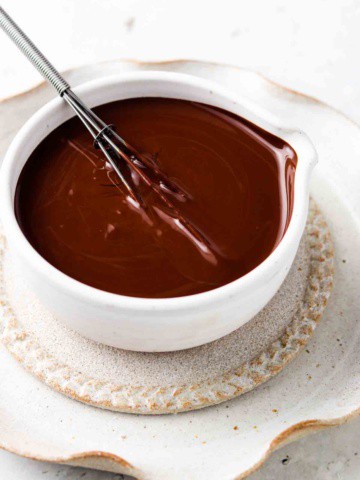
(233, 186)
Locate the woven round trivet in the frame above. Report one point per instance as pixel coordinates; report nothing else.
(153, 383)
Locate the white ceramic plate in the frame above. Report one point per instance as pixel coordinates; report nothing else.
(319, 389)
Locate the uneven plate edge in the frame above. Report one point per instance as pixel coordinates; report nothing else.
(293, 432)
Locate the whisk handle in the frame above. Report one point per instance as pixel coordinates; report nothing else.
(23, 42)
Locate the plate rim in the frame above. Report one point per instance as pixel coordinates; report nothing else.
(290, 434)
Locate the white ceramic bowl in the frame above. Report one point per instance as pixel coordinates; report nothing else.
(152, 324)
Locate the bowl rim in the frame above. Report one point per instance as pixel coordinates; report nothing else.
(260, 274)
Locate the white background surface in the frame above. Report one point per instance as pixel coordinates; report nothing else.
(308, 45)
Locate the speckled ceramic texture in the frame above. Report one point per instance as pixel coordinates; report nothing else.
(154, 383)
(318, 389)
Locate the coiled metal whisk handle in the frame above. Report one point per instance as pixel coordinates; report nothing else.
(39, 61)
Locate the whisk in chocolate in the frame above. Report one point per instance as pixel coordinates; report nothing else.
(218, 202)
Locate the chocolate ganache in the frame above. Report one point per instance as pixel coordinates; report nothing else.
(234, 186)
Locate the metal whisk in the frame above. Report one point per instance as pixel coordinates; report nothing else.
(116, 150)
(122, 157)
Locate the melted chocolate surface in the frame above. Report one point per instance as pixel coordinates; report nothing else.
(234, 186)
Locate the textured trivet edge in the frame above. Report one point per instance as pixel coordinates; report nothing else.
(157, 400)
